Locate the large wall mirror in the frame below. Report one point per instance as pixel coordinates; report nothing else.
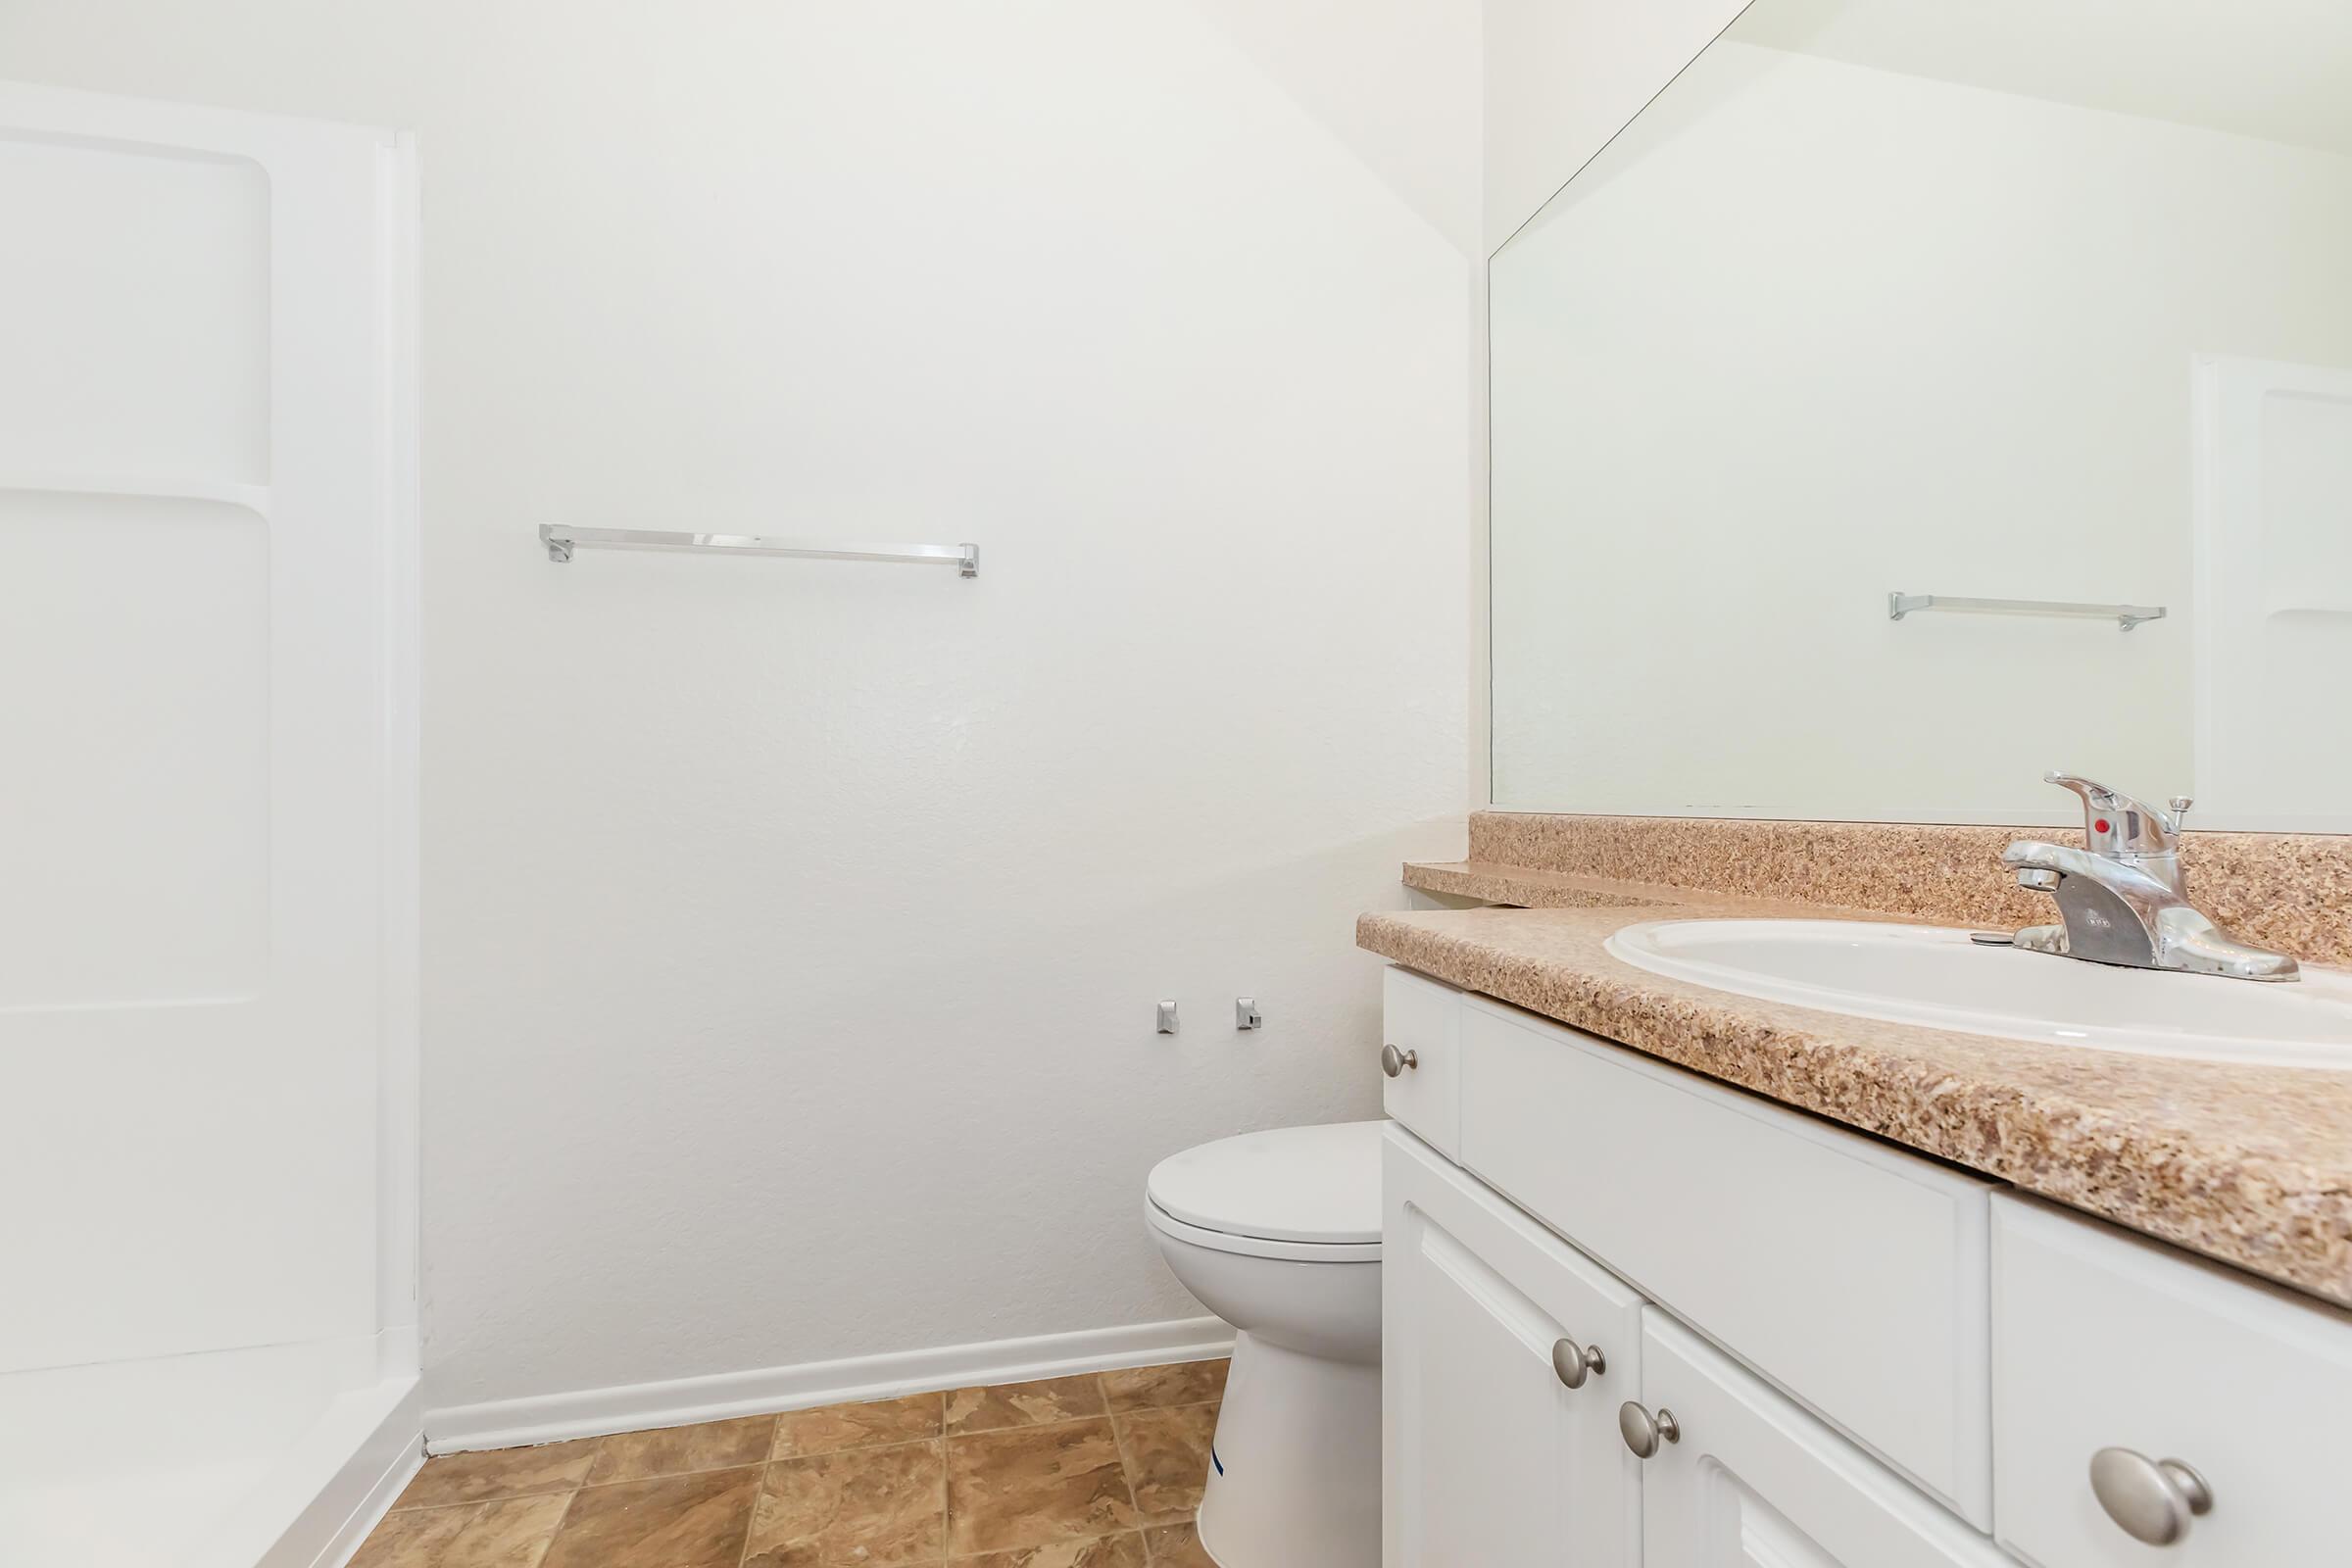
(2040, 306)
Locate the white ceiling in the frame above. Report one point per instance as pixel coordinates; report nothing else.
(2281, 70)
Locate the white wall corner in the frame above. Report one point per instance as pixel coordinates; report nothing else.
(1562, 77)
(1397, 83)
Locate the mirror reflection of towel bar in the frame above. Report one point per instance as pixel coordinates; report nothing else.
(561, 542)
(2127, 616)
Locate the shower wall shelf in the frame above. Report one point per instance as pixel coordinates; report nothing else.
(561, 542)
(2124, 616)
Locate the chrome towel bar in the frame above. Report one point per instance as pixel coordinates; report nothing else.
(2127, 616)
(561, 542)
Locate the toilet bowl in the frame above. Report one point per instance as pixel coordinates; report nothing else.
(1278, 1233)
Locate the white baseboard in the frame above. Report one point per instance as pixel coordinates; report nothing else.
(683, 1402)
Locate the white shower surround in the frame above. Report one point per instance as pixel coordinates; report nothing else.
(210, 479)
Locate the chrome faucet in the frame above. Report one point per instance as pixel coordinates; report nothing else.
(2124, 899)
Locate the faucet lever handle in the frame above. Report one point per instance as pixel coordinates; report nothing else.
(2114, 824)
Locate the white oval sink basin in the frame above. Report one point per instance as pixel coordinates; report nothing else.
(1936, 977)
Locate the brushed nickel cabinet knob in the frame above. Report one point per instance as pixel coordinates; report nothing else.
(1574, 1362)
(1643, 1432)
(1393, 1062)
(2150, 1500)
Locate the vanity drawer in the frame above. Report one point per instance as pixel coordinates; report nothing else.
(1849, 1273)
(2103, 1340)
(1421, 1023)
(1491, 1459)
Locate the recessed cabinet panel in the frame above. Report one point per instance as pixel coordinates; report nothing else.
(136, 631)
(1421, 1031)
(135, 304)
(1754, 1482)
(2103, 1340)
(1849, 1273)
(1493, 1460)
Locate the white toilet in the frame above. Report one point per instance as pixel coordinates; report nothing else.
(1278, 1233)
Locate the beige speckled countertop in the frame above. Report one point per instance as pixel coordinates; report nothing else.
(2250, 1165)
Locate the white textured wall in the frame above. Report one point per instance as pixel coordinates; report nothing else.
(792, 928)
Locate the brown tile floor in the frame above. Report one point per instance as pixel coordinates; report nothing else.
(1098, 1471)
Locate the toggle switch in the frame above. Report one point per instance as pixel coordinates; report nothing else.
(1245, 1014)
(1167, 1017)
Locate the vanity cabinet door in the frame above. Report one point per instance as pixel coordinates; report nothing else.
(2107, 1342)
(1754, 1482)
(1491, 1459)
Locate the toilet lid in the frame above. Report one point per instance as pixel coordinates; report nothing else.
(1295, 1184)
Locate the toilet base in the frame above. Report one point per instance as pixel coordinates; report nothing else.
(1296, 1477)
